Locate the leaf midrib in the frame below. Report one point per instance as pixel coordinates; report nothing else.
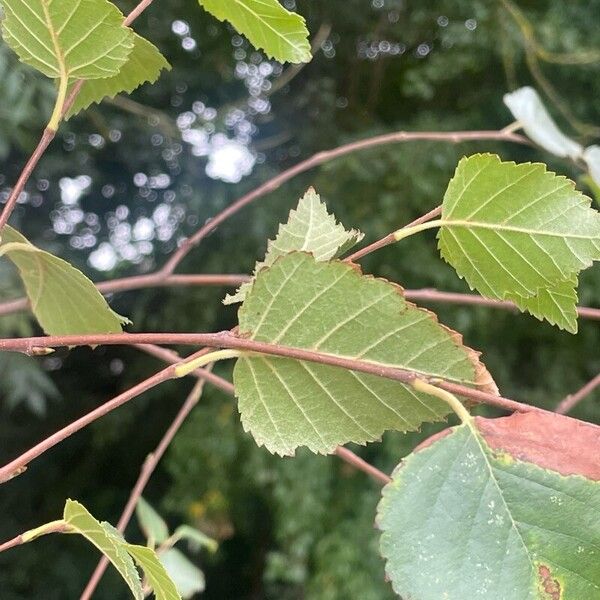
(528, 231)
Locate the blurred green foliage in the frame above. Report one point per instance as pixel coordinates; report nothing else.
(289, 528)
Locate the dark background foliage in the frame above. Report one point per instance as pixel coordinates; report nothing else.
(124, 182)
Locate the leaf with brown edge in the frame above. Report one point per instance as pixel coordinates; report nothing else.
(497, 508)
(331, 307)
(549, 440)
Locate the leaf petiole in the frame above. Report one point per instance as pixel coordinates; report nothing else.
(405, 232)
(56, 117)
(450, 399)
(186, 368)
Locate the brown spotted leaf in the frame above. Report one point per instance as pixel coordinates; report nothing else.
(498, 508)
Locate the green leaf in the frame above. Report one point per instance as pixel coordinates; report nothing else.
(156, 574)
(143, 66)
(268, 25)
(528, 109)
(557, 305)
(310, 228)
(151, 523)
(195, 538)
(511, 230)
(68, 39)
(461, 520)
(188, 578)
(107, 540)
(330, 307)
(62, 298)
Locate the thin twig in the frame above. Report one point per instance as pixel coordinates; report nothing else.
(224, 339)
(323, 157)
(138, 282)
(362, 465)
(146, 471)
(16, 541)
(45, 140)
(572, 400)
(390, 238)
(432, 295)
(149, 281)
(20, 464)
(347, 455)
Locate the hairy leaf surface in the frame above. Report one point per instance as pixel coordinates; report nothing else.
(62, 298)
(461, 520)
(310, 228)
(330, 307)
(512, 230)
(68, 39)
(144, 65)
(268, 25)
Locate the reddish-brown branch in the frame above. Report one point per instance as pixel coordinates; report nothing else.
(425, 295)
(16, 541)
(390, 239)
(20, 463)
(431, 295)
(44, 142)
(362, 465)
(323, 157)
(163, 277)
(573, 400)
(138, 282)
(225, 339)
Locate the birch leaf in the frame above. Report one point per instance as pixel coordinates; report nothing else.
(330, 307)
(461, 519)
(188, 578)
(151, 523)
(62, 298)
(511, 230)
(104, 538)
(528, 109)
(68, 39)
(162, 585)
(144, 65)
(557, 305)
(310, 228)
(267, 24)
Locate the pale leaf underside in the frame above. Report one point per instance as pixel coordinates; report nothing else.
(62, 298)
(331, 308)
(310, 228)
(527, 108)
